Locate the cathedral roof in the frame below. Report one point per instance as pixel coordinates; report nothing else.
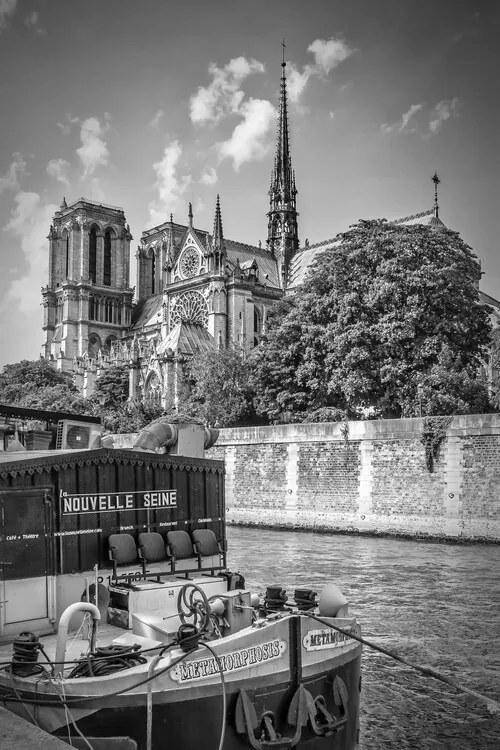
(304, 258)
(187, 338)
(268, 268)
(428, 218)
(146, 312)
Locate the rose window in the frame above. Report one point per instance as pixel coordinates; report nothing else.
(189, 262)
(190, 307)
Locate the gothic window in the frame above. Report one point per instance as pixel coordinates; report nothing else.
(94, 344)
(256, 326)
(93, 254)
(189, 263)
(109, 342)
(190, 307)
(153, 389)
(67, 256)
(153, 272)
(108, 311)
(92, 308)
(106, 278)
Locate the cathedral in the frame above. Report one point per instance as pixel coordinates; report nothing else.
(195, 291)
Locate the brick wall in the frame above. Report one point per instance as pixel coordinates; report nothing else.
(370, 478)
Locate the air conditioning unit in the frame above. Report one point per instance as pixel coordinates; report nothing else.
(75, 435)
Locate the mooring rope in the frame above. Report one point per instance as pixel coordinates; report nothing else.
(492, 705)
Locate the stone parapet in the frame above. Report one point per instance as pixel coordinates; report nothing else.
(366, 477)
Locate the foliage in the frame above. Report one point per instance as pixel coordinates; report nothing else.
(38, 385)
(388, 322)
(112, 386)
(433, 433)
(129, 416)
(495, 367)
(216, 388)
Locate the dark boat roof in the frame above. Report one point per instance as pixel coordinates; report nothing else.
(28, 462)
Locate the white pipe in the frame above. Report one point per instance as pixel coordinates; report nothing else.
(62, 630)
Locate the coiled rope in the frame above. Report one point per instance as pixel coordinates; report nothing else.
(107, 660)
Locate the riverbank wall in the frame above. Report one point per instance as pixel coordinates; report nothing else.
(366, 477)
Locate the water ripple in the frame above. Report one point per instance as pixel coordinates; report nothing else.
(434, 604)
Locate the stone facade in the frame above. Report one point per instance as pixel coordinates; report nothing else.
(366, 477)
(88, 300)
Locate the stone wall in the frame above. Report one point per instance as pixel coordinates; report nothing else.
(366, 477)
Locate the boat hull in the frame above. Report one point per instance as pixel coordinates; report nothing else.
(292, 677)
(196, 721)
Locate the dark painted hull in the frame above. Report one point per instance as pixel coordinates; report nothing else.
(288, 676)
(196, 722)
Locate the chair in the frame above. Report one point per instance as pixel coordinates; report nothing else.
(206, 545)
(179, 546)
(151, 548)
(122, 550)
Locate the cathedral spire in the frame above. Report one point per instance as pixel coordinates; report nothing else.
(218, 237)
(435, 179)
(282, 236)
(218, 249)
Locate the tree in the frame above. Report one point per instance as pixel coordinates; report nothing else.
(389, 322)
(111, 386)
(495, 367)
(216, 388)
(38, 385)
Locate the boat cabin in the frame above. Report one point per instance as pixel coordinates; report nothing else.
(72, 519)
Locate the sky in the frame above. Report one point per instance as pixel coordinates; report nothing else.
(150, 104)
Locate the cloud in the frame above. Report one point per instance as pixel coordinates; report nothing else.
(169, 184)
(93, 152)
(29, 222)
(66, 126)
(17, 167)
(20, 306)
(329, 53)
(58, 169)
(442, 111)
(7, 10)
(32, 22)
(208, 177)
(223, 95)
(249, 138)
(157, 119)
(297, 81)
(404, 122)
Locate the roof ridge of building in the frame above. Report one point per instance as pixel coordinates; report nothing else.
(413, 216)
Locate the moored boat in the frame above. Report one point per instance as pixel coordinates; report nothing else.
(122, 620)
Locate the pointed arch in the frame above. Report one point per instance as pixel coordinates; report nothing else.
(109, 236)
(94, 229)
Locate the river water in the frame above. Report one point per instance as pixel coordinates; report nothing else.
(437, 605)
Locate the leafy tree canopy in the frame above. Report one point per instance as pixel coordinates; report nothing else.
(112, 386)
(38, 385)
(388, 322)
(216, 388)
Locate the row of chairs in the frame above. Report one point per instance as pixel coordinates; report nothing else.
(195, 550)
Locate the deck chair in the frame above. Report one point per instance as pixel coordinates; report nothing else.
(122, 550)
(179, 547)
(151, 548)
(206, 545)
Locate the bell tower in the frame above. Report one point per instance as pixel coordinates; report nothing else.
(88, 300)
(282, 233)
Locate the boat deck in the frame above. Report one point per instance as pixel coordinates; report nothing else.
(77, 645)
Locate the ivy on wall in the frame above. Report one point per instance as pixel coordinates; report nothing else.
(433, 433)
